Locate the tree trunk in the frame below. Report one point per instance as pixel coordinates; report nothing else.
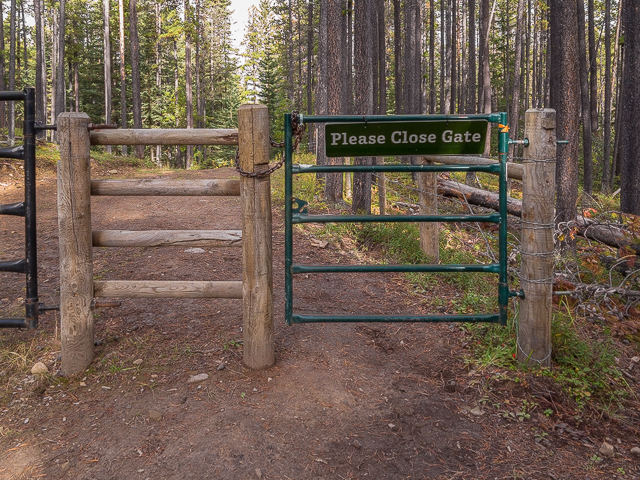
(618, 54)
(61, 89)
(397, 58)
(593, 70)
(106, 45)
(3, 87)
(606, 157)
(515, 99)
(12, 70)
(158, 158)
(321, 85)
(584, 96)
(432, 55)
(333, 183)
(382, 59)
(135, 71)
(565, 95)
(454, 56)
(629, 138)
(54, 67)
(471, 96)
(363, 54)
(310, 45)
(41, 66)
(123, 84)
(188, 86)
(443, 61)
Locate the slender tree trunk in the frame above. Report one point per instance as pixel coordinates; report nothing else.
(565, 97)
(12, 71)
(3, 87)
(593, 69)
(629, 138)
(158, 159)
(472, 58)
(310, 46)
(584, 97)
(363, 54)
(291, 89)
(54, 67)
(176, 87)
(432, 55)
(618, 54)
(123, 85)
(199, 96)
(106, 45)
(484, 57)
(321, 106)
(41, 66)
(188, 87)
(134, 44)
(60, 89)
(24, 38)
(515, 101)
(76, 86)
(382, 59)
(606, 157)
(454, 55)
(333, 183)
(397, 58)
(347, 56)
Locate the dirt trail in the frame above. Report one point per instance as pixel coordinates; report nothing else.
(382, 401)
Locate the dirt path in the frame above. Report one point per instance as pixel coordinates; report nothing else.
(375, 401)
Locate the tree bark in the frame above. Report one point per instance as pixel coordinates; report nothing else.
(188, 83)
(134, 43)
(60, 77)
(41, 66)
(584, 96)
(453, 56)
(12, 70)
(321, 85)
(629, 138)
(333, 182)
(471, 96)
(363, 54)
(106, 45)
(593, 69)
(565, 95)
(3, 87)
(432, 55)
(606, 157)
(123, 84)
(515, 99)
(397, 58)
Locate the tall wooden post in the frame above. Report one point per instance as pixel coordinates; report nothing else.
(257, 278)
(74, 227)
(536, 274)
(429, 232)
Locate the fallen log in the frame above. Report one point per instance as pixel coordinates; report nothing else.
(477, 196)
(607, 233)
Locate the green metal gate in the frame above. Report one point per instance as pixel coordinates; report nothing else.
(296, 213)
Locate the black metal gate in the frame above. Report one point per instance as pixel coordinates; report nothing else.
(26, 209)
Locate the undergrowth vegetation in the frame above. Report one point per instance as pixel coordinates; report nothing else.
(584, 358)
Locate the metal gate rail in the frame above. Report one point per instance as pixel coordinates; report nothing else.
(26, 209)
(296, 213)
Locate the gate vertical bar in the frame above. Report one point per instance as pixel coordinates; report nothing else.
(31, 246)
(503, 286)
(288, 232)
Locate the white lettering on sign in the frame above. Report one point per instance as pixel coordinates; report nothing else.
(403, 137)
(467, 137)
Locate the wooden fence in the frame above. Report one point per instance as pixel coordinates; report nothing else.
(75, 187)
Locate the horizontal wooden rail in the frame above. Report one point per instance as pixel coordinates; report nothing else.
(514, 170)
(167, 238)
(166, 289)
(162, 187)
(159, 136)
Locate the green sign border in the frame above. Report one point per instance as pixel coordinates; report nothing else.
(428, 137)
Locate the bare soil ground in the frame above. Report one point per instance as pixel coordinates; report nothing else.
(344, 401)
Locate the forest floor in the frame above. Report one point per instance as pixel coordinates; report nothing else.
(343, 401)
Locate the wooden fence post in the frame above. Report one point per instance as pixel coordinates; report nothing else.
(536, 274)
(257, 265)
(429, 231)
(74, 230)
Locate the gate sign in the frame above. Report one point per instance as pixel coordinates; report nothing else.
(431, 137)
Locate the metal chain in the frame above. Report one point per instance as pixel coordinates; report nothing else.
(297, 131)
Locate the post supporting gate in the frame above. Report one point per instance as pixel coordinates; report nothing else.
(296, 213)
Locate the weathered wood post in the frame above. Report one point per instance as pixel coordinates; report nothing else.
(429, 231)
(536, 274)
(74, 230)
(257, 278)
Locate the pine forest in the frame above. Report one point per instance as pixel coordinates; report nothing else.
(173, 64)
